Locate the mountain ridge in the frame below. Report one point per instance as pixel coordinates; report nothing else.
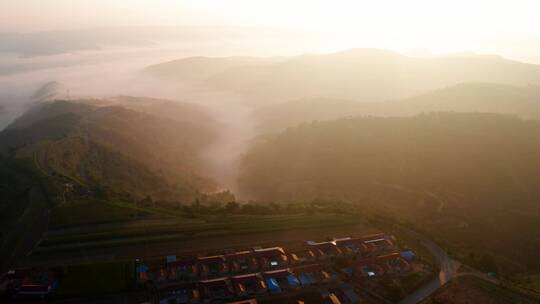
(523, 101)
(158, 146)
(361, 74)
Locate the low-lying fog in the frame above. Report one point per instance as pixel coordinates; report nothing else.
(117, 71)
(82, 69)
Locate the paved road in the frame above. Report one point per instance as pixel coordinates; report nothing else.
(448, 271)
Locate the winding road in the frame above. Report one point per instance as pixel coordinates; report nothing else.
(448, 271)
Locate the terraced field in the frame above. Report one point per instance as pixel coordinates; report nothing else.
(110, 231)
(180, 229)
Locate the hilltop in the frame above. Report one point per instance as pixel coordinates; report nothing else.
(130, 146)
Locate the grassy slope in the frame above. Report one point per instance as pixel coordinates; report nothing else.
(61, 143)
(95, 146)
(91, 212)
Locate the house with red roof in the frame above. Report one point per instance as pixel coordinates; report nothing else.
(243, 261)
(305, 255)
(351, 246)
(344, 294)
(182, 270)
(183, 292)
(369, 269)
(281, 279)
(385, 264)
(311, 274)
(378, 242)
(32, 283)
(211, 266)
(249, 301)
(271, 258)
(324, 250)
(248, 284)
(216, 289)
(394, 263)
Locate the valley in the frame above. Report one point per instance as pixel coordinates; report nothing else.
(274, 152)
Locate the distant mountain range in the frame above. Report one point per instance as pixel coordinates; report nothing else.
(366, 75)
(523, 101)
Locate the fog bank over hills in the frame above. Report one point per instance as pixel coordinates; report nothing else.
(389, 149)
(248, 96)
(448, 136)
(89, 85)
(101, 62)
(45, 43)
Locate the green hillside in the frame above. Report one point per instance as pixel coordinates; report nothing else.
(476, 97)
(466, 97)
(135, 152)
(72, 163)
(464, 177)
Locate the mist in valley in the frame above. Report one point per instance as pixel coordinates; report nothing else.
(120, 71)
(186, 151)
(255, 78)
(252, 93)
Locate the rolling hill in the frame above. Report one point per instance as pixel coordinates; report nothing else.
(94, 161)
(197, 69)
(469, 179)
(368, 75)
(523, 101)
(129, 146)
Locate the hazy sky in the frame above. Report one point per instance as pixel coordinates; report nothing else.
(510, 28)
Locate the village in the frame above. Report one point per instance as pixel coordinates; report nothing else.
(341, 270)
(359, 269)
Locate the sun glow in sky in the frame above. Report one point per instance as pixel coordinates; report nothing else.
(503, 27)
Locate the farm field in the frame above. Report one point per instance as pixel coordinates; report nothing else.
(192, 245)
(188, 229)
(155, 235)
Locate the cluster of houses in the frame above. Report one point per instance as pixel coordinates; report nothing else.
(266, 272)
(30, 283)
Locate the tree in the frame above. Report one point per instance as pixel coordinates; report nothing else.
(232, 207)
(275, 207)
